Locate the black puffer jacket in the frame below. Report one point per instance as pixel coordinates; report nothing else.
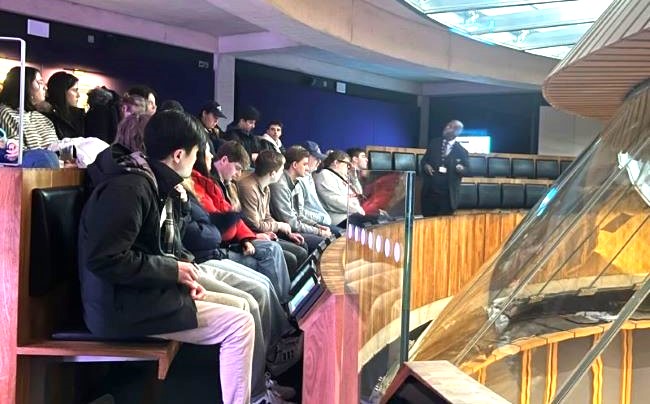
(250, 142)
(128, 286)
(71, 127)
(103, 115)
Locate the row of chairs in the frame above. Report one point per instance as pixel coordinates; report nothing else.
(479, 165)
(482, 166)
(500, 196)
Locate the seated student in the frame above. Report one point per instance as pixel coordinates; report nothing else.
(270, 140)
(130, 132)
(217, 273)
(209, 115)
(287, 198)
(358, 162)
(133, 282)
(334, 190)
(38, 131)
(145, 93)
(241, 130)
(313, 207)
(168, 105)
(203, 239)
(256, 251)
(255, 198)
(132, 104)
(376, 195)
(62, 97)
(103, 114)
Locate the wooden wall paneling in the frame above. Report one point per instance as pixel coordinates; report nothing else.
(493, 224)
(328, 336)
(420, 294)
(475, 250)
(438, 256)
(458, 227)
(10, 217)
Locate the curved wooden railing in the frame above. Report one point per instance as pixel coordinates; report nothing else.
(361, 305)
(538, 358)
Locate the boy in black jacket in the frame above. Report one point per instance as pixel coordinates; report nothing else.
(133, 282)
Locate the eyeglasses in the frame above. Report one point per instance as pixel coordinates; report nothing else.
(347, 163)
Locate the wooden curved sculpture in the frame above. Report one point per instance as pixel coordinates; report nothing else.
(612, 58)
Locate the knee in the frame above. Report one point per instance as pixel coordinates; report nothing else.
(245, 325)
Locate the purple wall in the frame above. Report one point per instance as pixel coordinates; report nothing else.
(333, 120)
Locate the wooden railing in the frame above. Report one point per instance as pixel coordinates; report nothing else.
(363, 297)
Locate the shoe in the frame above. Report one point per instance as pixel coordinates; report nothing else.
(270, 398)
(284, 355)
(285, 392)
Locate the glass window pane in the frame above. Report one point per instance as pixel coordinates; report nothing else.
(553, 26)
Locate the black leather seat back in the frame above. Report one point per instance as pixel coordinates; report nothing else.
(547, 169)
(512, 196)
(564, 165)
(380, 160)
(55, 226)
(533, 193)
(498, 167)
(523, 168)
(477, 166)
(467, 197)
(404, 161)
(489, 196)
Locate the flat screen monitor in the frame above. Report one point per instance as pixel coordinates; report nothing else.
(475, 144)
(304, 293)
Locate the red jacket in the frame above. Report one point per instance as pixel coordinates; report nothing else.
(213, 200)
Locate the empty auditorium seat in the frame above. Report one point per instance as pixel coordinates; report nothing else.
(404, 161)
(380, 160)
(498, 167)
(533, 193)
(523, 168)
(468, 197)
(564, 164)
(477, 166)
(547, 169)
(512, 196)
(489, 196)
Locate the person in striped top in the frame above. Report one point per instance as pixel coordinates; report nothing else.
(38, 130)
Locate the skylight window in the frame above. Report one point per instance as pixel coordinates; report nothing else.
(548, 28)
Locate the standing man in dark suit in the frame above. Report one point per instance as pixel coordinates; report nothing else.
(443, 166)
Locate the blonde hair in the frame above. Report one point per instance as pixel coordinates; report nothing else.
(130, 132)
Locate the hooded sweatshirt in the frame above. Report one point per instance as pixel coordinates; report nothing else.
(128, 285)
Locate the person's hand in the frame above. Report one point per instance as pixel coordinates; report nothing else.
(181, 191)
(296, 238)
(325, 232)
(248, 248)
(187, 274)
(263, 236)
(428, 170)
(198, 292)
(272, 236)
(284, 228)
(460, 168)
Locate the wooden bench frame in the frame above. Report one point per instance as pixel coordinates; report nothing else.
(25, 335)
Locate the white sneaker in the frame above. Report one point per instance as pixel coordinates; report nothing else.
(284, 392)
(271, 398)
